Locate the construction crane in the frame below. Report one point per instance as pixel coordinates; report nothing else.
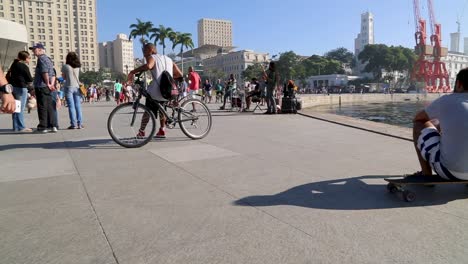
(440, 76)
(428, 67)
(422, 67)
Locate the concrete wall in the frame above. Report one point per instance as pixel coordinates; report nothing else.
(319, 99)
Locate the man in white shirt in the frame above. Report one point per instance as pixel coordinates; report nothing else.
(440, 134)
(156, 64)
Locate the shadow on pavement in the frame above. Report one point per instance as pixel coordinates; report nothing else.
(356, 194)
(83, 144)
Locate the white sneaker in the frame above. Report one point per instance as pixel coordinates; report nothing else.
(54, 130)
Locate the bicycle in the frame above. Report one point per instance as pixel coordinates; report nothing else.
(128, 124)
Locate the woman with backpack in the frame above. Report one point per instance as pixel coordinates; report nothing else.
(20, 78)
(70, 72)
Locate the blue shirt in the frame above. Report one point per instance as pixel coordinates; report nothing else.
(44, 65)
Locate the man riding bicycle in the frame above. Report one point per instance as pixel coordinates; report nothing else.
(156, 64)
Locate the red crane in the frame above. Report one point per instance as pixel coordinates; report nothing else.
(432, 72)
(440, 76)
(422, 67)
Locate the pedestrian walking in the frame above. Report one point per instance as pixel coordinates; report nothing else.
(207, 89)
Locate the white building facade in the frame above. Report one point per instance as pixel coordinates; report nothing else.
(118, 54)
(366, 36)
(455, 61)
(235, 62)
(214, 32)
(61, 26)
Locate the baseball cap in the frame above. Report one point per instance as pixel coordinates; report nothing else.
(37, 46)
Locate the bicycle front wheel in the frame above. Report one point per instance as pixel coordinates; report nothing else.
(131, 125)
(195, 119)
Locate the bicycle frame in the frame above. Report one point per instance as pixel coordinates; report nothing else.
(171, 121)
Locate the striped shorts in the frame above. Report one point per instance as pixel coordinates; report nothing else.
(429, 146)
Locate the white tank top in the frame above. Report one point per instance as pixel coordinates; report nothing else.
(162, 63)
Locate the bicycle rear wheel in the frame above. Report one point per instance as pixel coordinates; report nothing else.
(126, 125)
(195, 119)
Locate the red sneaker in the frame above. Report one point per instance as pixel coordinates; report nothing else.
(141, 134)
(161, 134)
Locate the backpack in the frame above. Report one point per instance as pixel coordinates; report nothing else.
(167, 85)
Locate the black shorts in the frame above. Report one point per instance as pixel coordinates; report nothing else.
(154, 107)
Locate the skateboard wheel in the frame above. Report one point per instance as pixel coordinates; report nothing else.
(392, 188)
(409, 196)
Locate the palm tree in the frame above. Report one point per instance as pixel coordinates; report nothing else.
(141, 29)
(184, 40)
(161, 34)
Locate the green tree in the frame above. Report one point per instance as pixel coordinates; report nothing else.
(381, 57)
(89, 77)
(140, 29)
(160, 35)
(253, 71)
(184, 40)
(318, 65)
(376, 58)
(340, 54)
(286, 63)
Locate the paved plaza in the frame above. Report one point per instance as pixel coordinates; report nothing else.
(258, 189)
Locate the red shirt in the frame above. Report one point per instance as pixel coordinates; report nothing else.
(194, 81)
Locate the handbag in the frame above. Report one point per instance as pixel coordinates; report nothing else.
(32, 103)
(83, 90)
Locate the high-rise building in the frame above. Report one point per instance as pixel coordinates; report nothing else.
(366, 36)
(455, 42)
(106, 54)
(60, 25)
(117, 55)
(214, 32)
(466, 46)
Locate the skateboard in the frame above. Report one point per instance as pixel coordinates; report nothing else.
(396, 185)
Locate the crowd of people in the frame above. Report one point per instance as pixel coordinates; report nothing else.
(439, 129)
(47, 91)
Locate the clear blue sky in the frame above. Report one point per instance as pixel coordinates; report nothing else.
(304, 26)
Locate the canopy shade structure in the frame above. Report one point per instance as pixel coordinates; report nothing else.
(205, 49)
(13, 39)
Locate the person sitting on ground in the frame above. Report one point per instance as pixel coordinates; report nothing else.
(439, 134)
(291, 89)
